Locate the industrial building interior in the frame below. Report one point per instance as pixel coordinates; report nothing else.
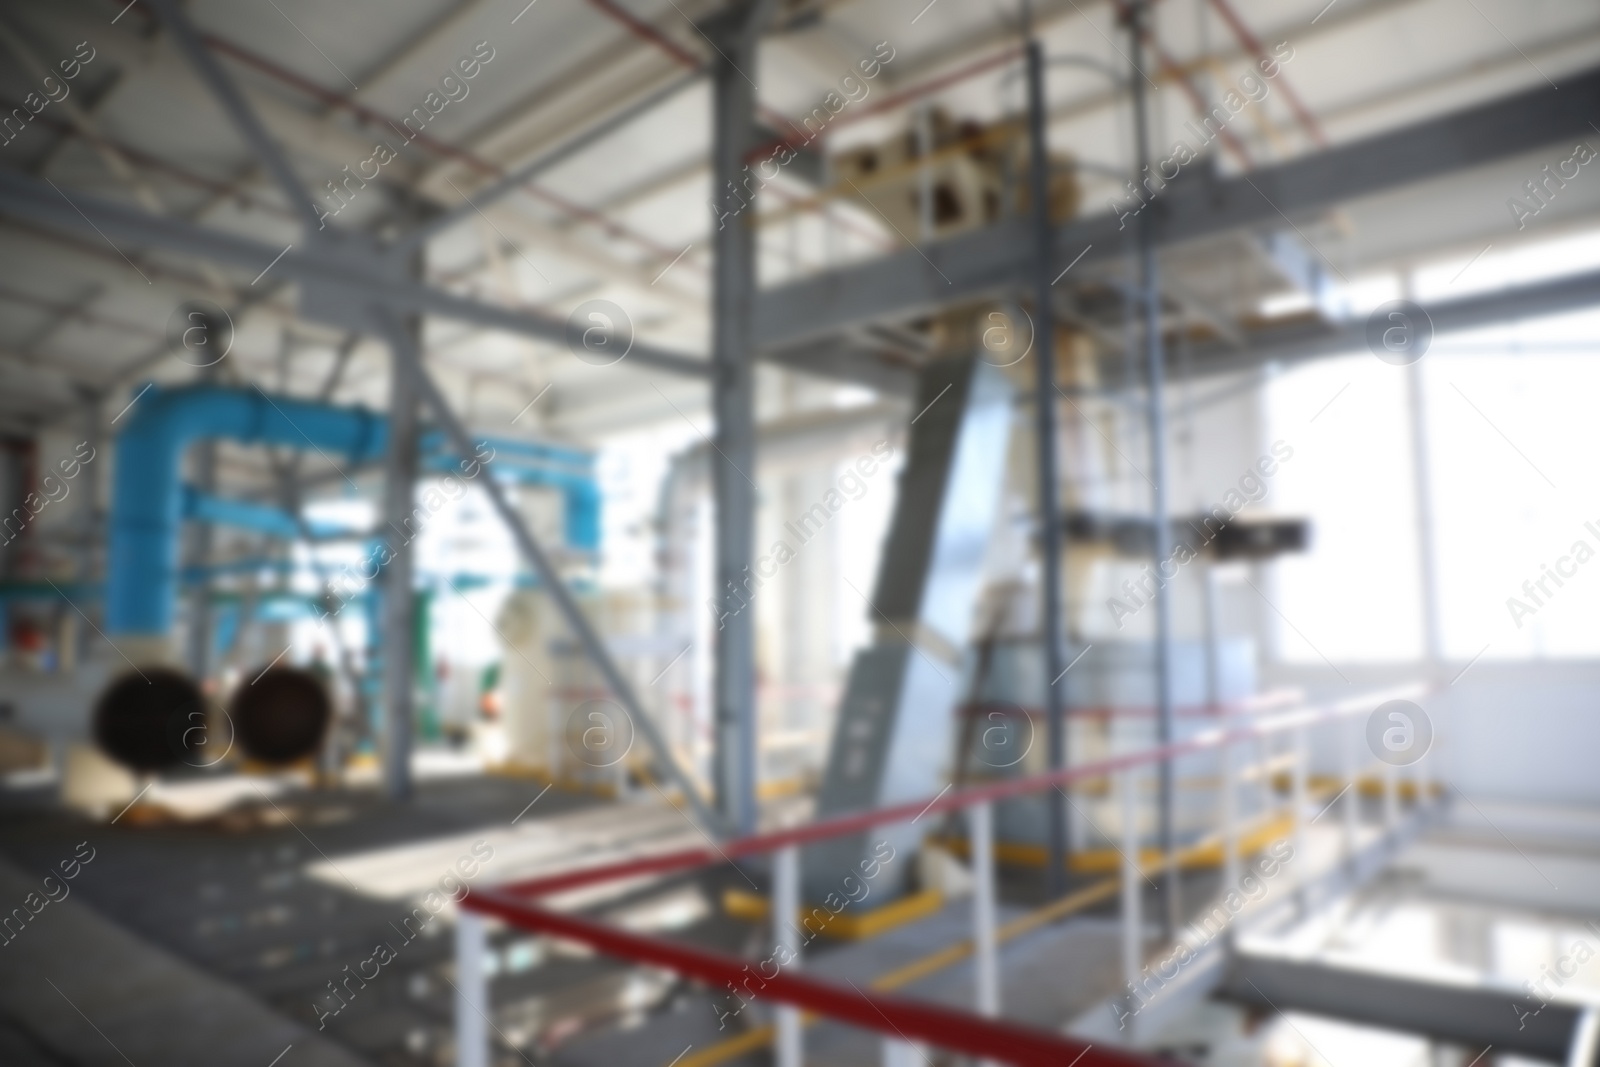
(799, 532)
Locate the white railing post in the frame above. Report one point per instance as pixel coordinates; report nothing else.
(1132, 933)
(898, 1053)
(1585, 1042)
(1230, 816)
(1391, 797)
(980, 818)
(1299, 794)
(785, 907)
(1352, 801)
(1261, 775)
(1431, 774)
(472, 991)
(924, 134)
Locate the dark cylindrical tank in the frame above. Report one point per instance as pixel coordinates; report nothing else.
(151, 718)
(282, 715)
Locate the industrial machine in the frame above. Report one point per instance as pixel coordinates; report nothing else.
(891, 742)
(149, 714)
(942, 175)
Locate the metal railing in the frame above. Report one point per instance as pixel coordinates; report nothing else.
(901, 1020)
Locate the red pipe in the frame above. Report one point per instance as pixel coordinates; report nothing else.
(949, 800)
(646, 32)
(855, 822)
(1170, 67)
(681, 55)
(149, 162)
(1017, 711)
(933, 85)
(1253, 44)
(438, 147)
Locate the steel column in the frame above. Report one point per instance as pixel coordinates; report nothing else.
(1044, 354)
(399, 599)
(733, 286)
(95, 434)
(1161, 539)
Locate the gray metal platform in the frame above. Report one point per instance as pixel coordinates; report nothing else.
(1049, 975)
(77, 989)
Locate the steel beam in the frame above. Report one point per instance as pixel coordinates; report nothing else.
(407, 353)
(1302, 341)
(1197, 204)
(850, 361)
(1457, 1013)
(38, 204)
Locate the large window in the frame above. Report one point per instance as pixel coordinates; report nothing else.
(1353, 596)
(1510, 417)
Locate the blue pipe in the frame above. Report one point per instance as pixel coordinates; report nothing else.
(582, 504)
(148, 500)
(541, 463)
(200, 506)
(580, 494)
(512, 449)
(147, 496)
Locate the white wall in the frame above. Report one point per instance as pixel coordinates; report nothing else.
(1515, 731)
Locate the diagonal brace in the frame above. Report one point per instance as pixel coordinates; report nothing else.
(407, 356)
(237, 109)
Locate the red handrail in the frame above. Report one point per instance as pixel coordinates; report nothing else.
(855, 822)
(908, 1019)
(894, 1016)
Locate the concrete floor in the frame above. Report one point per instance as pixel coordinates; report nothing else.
(78, 989)
(198, 944)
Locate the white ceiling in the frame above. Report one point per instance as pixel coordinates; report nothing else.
(607, 222)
